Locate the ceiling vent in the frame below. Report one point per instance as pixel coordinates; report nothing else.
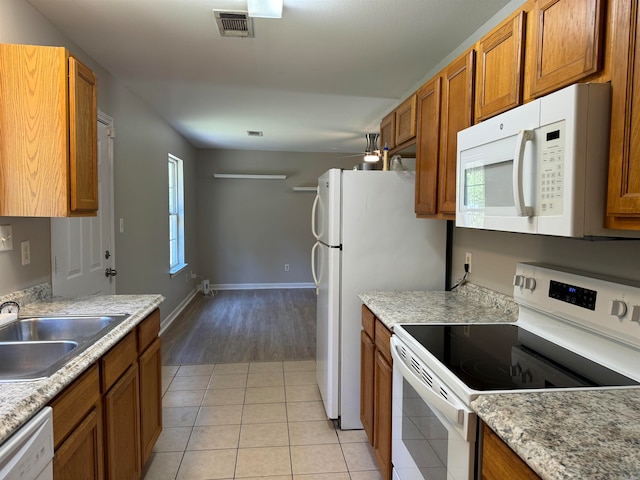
(234, 24)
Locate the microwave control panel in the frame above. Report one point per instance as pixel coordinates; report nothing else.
(551, 169)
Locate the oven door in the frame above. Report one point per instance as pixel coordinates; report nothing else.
(433, 437)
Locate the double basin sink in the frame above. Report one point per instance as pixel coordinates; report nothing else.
(33, 348)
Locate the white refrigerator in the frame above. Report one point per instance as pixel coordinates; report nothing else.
(368, 238)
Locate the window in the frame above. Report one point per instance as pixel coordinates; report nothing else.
(176, 215)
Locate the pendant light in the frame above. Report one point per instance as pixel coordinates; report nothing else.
(372, 153)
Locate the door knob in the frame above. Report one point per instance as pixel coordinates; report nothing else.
(110, 272)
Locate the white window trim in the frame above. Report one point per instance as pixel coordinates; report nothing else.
(181, 263)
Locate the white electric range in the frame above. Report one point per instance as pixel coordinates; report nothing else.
(575, 331)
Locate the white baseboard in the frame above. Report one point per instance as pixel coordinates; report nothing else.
(259, 286)
(168, 320)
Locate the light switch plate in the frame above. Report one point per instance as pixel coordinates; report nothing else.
(25, 248)
(6, 237)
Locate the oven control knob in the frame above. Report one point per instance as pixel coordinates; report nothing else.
(617, 308)
(635, 314)
(518, 281)
(515, 370)
(530, 283)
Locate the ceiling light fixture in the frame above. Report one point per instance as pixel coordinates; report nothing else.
(265, 8)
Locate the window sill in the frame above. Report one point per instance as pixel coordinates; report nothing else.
(177, 269)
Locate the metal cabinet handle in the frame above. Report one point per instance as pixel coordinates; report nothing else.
(110, 272)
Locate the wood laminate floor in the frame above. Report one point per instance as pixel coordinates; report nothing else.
(243, 326)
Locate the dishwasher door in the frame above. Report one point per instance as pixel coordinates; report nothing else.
(28, 453)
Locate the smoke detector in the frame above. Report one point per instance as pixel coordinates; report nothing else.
(234, 23)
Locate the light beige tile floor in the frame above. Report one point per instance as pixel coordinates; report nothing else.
(253, 421)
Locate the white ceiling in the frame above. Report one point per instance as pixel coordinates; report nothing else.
(316, 80)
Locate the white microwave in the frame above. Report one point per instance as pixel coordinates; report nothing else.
(540, 168)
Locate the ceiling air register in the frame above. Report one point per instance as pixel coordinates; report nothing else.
(233, 23)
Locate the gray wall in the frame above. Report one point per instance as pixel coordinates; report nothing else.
(495, 254)
(141, 146)
(248, 229)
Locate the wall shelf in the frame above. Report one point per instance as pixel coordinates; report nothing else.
(249, 176)
(305, 189)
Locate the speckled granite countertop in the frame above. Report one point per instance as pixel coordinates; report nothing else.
(560, 435)
(19, 401)
(569, 435)
(472, 304)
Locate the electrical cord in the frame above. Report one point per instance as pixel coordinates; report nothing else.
(463, 280)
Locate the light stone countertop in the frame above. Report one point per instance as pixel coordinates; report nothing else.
(560, 435)
(19, 401)
(472, 304)
(569, 435)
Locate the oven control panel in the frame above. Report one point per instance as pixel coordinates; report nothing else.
(607, 305)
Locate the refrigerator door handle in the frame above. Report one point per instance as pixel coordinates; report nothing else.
(313, 265)
(313, 218)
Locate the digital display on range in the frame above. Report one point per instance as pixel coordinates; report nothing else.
(582, 297)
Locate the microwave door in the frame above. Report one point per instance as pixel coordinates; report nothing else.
(490, 179)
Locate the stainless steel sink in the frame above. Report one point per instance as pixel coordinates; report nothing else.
(33, 360)
(56, 328)
(35, 347)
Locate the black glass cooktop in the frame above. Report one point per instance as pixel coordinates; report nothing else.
(506, 357)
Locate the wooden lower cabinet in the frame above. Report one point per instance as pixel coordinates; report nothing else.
(122, 428)
(150, 366)
(80, 455)
(382, 413)
(367, 369)
(108, 420)
(77, 429)
(500, 462)
(376, 378)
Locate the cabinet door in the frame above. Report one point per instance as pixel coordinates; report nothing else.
(150, 364)
(457, 114)
(83, 137)
(428, 147)
(499, 461)
(406, 120)
(623, 202)
(567, 42)
(122, 428)
(500, 68)
(367, 372)
(387, 131)
(382, 415)
(80, 455)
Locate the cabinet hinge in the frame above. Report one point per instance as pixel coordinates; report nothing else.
(111, 132)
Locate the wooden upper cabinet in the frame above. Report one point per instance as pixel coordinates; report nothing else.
(457, 114)
(567, 43)
(623, 201)
(405, 120)
(500, 58)
(428, 147)
(387, 131)
(48, 133)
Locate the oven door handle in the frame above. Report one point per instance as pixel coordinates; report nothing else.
(454, 412)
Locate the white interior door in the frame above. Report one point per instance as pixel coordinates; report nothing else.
(82, 248)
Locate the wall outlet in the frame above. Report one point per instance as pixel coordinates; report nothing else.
(286, 267)
(206, 288)
(467, 260)
(25, 247)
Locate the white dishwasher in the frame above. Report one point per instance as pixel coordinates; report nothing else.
(28, 453)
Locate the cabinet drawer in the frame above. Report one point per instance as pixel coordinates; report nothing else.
(116, 361)
(73, 403)
(148, 330)
(368, 321)
(383, 340)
